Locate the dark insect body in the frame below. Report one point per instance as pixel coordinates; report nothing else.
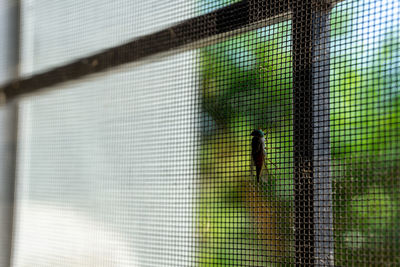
(258, 151)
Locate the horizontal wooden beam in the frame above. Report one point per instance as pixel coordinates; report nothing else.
(224, 20)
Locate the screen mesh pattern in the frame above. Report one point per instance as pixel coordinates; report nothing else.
(100, 177)
(365, 132)
(203, 133)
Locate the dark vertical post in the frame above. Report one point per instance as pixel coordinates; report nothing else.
(311, 140)
(8, 121)
(323, 215)
(14, 38)
(8, 126)
(302, 33)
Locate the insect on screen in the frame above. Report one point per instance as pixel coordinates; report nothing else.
(206, 133)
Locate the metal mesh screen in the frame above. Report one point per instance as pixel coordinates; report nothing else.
(365, 132)
(57, 32)
(207, 133)
(100, 177)
(242, 220)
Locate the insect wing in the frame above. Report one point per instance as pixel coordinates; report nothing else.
(252, 169)
(264, 171)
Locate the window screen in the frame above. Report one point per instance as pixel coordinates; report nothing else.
(205, 133)
(239, 77)
(57, 32)
(365, 131)
(106, 167)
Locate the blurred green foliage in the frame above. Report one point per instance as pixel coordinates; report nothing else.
(365, 135)
(240, 74)
(247, 84)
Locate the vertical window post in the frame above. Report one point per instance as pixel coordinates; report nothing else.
(323, 215)
(9, 69)
(313, 223)
(8, 121)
